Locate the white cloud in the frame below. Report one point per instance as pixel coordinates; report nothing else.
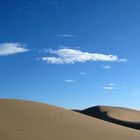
(83, 73)
(123, 60)
(108, 87)
(53, 60)
(66, 35)
(71, 56)
(106, 67)
(69, 81)
(12, 48)
(113, 86)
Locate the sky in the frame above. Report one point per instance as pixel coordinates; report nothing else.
(71, 53)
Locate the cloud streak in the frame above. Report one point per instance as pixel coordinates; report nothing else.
(113, 86)
(72, 56)
(108, 88)
(106, 67)
(12, 48)
(69, 81)
(66, 35)
(83, 73)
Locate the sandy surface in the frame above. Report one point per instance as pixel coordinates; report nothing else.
(118, 115)
(124, 114)
(26, 120)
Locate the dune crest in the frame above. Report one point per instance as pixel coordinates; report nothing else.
(119, 115)
(26, 120)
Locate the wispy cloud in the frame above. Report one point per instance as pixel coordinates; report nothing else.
(123, 60)
(69, 81)
(113, 86)
(72, 56)
(12, 48)
(67, 35)
(108, 87)
(106, 67)
(83, 73)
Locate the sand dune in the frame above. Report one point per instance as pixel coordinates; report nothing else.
(26, 120)
(123, 116)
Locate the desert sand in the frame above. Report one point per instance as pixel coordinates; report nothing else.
(27, 120)
(119, 115)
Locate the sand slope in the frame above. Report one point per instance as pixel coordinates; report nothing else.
(123, 116)
(26, 120)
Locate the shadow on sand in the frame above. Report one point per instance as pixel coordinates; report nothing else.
(97, 113)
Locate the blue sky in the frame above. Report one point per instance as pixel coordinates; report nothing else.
(71, 53)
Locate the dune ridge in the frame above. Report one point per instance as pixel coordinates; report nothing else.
(27, 120)
(118, 115)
